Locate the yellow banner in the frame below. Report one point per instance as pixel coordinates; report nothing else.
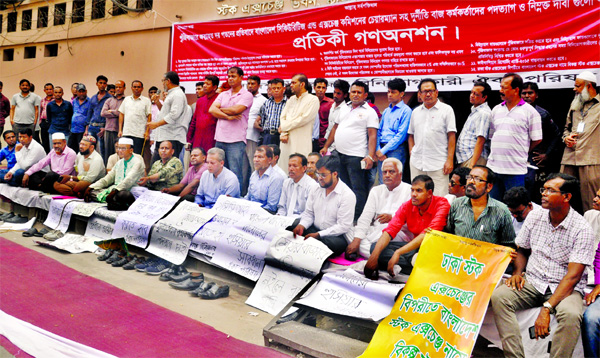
(440, 310)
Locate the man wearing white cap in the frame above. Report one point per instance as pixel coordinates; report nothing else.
(114, 187)
(89, 166)
(61, 160)
(582, 138)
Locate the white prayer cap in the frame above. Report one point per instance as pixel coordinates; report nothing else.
(126, 141)
(587, 76)
(58, 136)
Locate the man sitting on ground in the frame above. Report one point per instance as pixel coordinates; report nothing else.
(89, 166)
(188, 186)
(520, 205)
(311, 167)
(61, 160)
(457, 183)
(165, 172)
(266, 181)
(8, 152)
(296, 188)
(216, 180)
(28, 152)
(114, 188)
(275, 161)
(329, 210)
(383, 201)
(422, 211)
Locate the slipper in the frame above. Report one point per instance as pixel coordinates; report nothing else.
(30, 232)
(42, 232)
(215, 292)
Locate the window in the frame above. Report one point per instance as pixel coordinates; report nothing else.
(144, 4)
(118, 10)
(26, 22)
(8, 54)
(60, 11)
(98, 9)
(1, 18)
(42, 20)
(29, 52)
(11, 22)
(78, 14)
(51, 50)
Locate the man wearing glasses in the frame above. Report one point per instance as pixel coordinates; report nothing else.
(555, 245)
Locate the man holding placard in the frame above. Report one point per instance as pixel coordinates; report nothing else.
(555, 245)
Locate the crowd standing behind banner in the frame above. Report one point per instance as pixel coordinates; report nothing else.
(235, 135)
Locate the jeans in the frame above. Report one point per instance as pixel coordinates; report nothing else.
(17, 178)
(590, 330)
(356, 178)
(505, 182)
(270, 138)
(398, 153)
(234, 158)
(93, 131)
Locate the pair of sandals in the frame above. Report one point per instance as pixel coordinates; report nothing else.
(210, 291)
(34, 232)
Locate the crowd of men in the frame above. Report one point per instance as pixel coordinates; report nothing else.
(317, 159)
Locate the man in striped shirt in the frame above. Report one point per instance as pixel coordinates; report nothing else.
(268, 116)
(515, 129)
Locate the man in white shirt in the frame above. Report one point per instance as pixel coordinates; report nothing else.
(519, 204)
(340, 96)
(432, 138)
(383, 202)
(28, 152)
(355, 134)
(296, 188)
(135, 112)
(252, 134)
(329, 211)
(90, 168)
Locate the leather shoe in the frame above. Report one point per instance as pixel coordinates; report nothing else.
(186, 285)
(215, 292)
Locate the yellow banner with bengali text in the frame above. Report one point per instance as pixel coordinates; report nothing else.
(440, 310)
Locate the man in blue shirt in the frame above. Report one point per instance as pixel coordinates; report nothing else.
(393, 128)
(266, 182)
(96, 123)
(81, 107)
(8, 153)
(59, 114)
(216, 180)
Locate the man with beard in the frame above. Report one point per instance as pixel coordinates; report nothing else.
(61, 161)
(478, 216)
(89, 166)
(582, 138)
(188, 186)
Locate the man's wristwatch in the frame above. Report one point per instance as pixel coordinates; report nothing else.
(549, 307)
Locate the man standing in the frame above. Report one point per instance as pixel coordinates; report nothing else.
(232, 108)
(270, 113)
(110, 112)
(340, 96)
(432, 137)
(24, 108)
(188, 186)
(329, 210)
(265, 182)
(216, 180)
(199, 94)
(28, 153)
(59, 114)
(8, 153)
(355, 135)
(165, 172)
(89, 166)
(4, 108)
(393, 128)
(471, 148)
(81, 107)
(297, 120)
(61, 161)
(325, 104)
(582, 138)
(201, 133)
(134, 114)
(515, 129)
(555, 245)
(44, 125)
(252, 134)
(74, 88)
(95, 122)
(296, 188)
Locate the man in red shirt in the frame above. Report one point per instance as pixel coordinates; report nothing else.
(201, 133)
(325, 104)
(422, 211)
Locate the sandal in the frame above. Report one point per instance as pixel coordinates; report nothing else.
(42, 232)
(31, 232)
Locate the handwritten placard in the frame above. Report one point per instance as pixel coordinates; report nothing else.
(55, 212)
(205, 241)
(75, 244)
(241, 253)
(86, 209)
(99, 228)
(275, 288)
(298, 255)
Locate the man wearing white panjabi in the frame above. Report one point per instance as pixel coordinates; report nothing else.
(296, 188)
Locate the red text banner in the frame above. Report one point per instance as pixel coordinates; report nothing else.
(454, 42)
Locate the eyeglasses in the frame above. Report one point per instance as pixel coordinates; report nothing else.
(427, 91)
(322, 175)
(477, 180)
(550, 191)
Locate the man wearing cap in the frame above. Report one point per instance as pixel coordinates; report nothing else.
(114, 188)
(89, 166)
(582, 138)
(61, 160)
(81, 107)
(165, 172)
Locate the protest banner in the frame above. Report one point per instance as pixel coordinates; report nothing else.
(441, 308)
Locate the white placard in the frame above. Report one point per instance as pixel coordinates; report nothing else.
(172, 236)
(99, 228)
(86, 209)
(297, 254)
(239, 207)
(274, 289)
(134, 225)
(55, 212)
(241, 253)
(75, 244)
(259, 216)
(205, 241)
(350, 293)
(63, 226)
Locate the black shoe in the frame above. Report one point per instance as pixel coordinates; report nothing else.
(117, 255)
(42, 232)
(108, 253)
(17, 219)
(215, 292)
(122, 261)
(5, 216)
(166, 276)
(29, 233)
(186, 285)
(204, 286)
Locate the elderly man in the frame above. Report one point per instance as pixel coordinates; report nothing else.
(28, 153)
(165, 172)
(329, 210)
(188, 186)
(555, 245)
(61, 161)
(311, 167)
(297, 120)
(89, 166)
(582, 138)
(114, 188)
(216, 180)
(520, 205)
(384, 200)
(422, 211)
(296, 188)
(265, 182)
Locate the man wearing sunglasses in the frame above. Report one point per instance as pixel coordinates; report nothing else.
(519, 204)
